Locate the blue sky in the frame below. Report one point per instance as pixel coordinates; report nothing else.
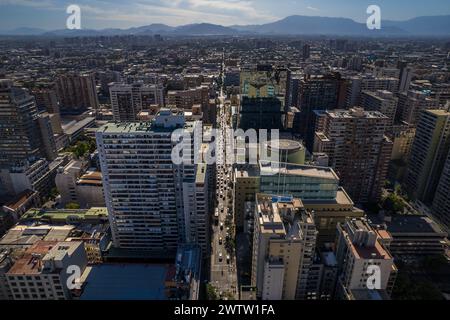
(98, 14)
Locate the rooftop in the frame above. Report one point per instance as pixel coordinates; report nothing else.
(298, 170)
(124, 282)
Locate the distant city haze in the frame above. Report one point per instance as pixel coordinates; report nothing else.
(102, 14)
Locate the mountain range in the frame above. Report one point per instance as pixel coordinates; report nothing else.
(292, 25)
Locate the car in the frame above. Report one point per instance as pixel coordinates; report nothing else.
(220, 241)
(228, 259)
(220, 256)
(221, 226)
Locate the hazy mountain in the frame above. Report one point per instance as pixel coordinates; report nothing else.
(432, 25)
(292, 25)
(204, 29)
(24, 31)
(307, 25)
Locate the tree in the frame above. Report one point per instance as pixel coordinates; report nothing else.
(211, 292)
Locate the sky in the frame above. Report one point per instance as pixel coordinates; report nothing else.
(100, 14)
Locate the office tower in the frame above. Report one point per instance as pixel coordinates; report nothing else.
(406, 75)
(264, 81)
(441, 202)
(185, 99)
(358, 84)
(127, 100)
(42, 272)
(382, 101)
(283, 248)
(358, 247)
(77, 93)
(358, 149)
(19, 131)
(316, 93)
(428, 154)
(261, 113)
(153, 203)
(412, 103)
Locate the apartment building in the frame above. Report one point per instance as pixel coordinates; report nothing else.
(357, 84)
(283, 248)
(358, 247)
(358, 149)
(383, 101)
(428, 154)
(151, 200)
(76, 92)
(185, 99)
(411, 103)
(128, 100)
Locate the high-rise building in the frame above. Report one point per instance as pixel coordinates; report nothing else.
(127, 100)
(358, 84)
(77, 92)
(358, 248)
(283, 248)
(358, 149)
(441, 202)
(412, 103)
(406, 75)
(19, 130)
(153, 203)
(382, 101)
(428, 154)
(316, 93)
(260, 113)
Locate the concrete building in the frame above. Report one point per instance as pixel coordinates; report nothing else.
(382, 101)
(411, 103)
(441, 202)
(357, 84)
(283, 248)
(153, 203)
(246, 186)
(318, 188)
(127, 100)
(290, 151)
(42, 273)
(428, 154)
(76, 93)
(358, 149)
(358, 248)
(77, 184)
(185, 99)
(19, 130)
(411, 237)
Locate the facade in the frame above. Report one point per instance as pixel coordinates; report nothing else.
(185, 99)
(77, 93)
(150, 199)
(283, 248)
(19, 129)
(358, 149)
(260, 113)
(428, 154)
(357, 248)
(127, 100)
(411, 103)
(441, 202)
(357, 84)
(382, 101)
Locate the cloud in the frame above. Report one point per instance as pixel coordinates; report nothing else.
(312, 8)
(28, 3)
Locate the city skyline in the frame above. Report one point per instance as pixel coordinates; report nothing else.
(102, 14)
